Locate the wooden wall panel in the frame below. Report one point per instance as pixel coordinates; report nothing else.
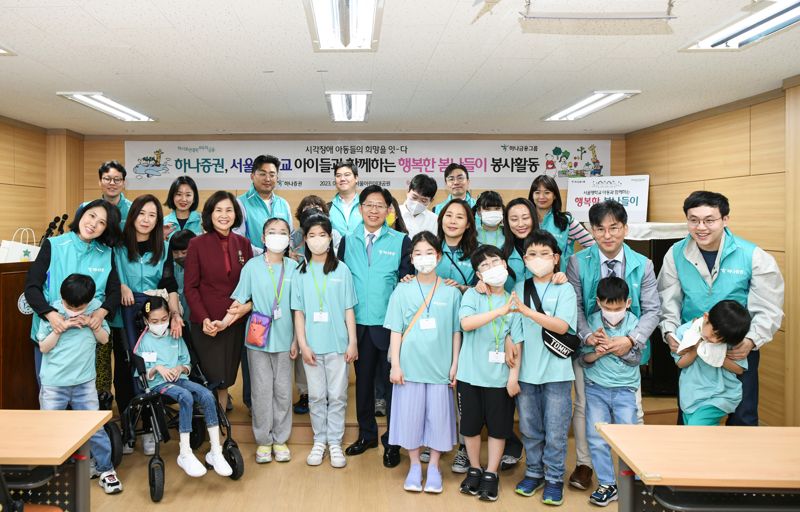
(648, 154)
(95, 152)
(22, 206)
(30, 149)
(666, 201)
(23, 167)
(716, 147)
(771, 377)
(6, 153)
(757, 208)
(768, 137)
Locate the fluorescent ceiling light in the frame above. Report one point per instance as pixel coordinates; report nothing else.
(348, 106)
(598, 100)
(344, 25)
(98, 101)
(6, 52)
(771, 19)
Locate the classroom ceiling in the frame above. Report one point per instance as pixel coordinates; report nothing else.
(442, 66)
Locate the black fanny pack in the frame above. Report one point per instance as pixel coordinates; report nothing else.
(561, 345)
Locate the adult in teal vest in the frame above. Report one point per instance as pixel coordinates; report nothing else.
(456, 179)
(344, 212)
(144, 263)
(458, 235)
(610, 257)
(711, 265)
(519, 221)
(544, 194)
(111, 178)
(182, 199)
(489, 219)
(260, 203)
(85, 249)
(378, 257)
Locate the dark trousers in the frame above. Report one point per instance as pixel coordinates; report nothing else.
(746, 414)
(123, 377)
(372, 361)
(246, 393)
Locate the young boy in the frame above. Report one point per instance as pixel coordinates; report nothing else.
(179, 246)
(68, 367)
(708, 387)
(611, 379)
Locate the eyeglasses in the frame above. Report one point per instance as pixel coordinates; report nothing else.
(613, 230)
(374, 206)
(707, 222)
(264, 174)
(109, 180)
(486, 265)
(461, 178)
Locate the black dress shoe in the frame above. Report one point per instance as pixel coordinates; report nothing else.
(360, 446)
(391, 456)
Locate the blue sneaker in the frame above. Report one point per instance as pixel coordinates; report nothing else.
(553, 493)
(604, 495)
(301, 406)
(433, 482)
(528, 486)
(413, 481)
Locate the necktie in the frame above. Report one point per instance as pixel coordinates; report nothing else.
(611, 264)
(370, 239)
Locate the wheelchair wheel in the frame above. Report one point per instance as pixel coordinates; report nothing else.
(115, 436)
(198, 434)
(156, 478)
(234, 457)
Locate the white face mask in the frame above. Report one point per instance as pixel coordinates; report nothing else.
(491, 218)
(425, 263)
(495, 276)
(276, 243)
(73, 314)
(318, 244)
(415, 207)
(540, 266)
(613, 317)
(158, 330)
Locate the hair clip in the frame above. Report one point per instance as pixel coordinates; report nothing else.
(147, 307)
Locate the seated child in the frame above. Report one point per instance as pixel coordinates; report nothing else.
(611, 379)
(167, 362)
(68, 367)
(708, 387)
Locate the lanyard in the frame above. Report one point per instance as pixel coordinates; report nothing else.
(428, 304)
(497, 332)
(321, 295)
(278, 291)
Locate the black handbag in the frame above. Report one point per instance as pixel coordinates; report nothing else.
(561, 345)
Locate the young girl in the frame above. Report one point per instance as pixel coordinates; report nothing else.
(166, 360)
(323, 297)
(267, 280)
(544, 194)
(423, 317)
(486, 386)
(182, 199)
(458, 238)
(489, 209)
(544, 401)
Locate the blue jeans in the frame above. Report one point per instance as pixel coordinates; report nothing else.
(82, 397)
(545, 412)
(186, 392)
(606, 405)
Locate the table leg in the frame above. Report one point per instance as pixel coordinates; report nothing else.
(82, 480)
(627, 496)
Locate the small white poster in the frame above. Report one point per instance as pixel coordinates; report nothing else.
(630, 191)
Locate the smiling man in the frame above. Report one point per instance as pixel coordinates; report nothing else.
(111, 178)
(456, 179)
(344, 211)
(261, 202)
(711, 265)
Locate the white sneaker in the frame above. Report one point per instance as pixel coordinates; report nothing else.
(218, 462)
(127, 448)
(149, 444)
(189, 463)
(93, 473)
(282, 453)
(317, 454)
(337, 456)
(264, 454)
(110, 483)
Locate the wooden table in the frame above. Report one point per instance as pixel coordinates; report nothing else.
(733, 458)
(49, 438)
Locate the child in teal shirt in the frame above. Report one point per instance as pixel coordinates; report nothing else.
(708, 386)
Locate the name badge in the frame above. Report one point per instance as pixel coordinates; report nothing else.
(321, 317)
(149, 357)
(497, 357)
(276, 313)
(426, 324)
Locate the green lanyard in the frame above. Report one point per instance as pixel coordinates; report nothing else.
(321, 295)
(494, 325)
(278, 291)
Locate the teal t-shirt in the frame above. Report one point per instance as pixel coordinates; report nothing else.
(426, 355)
(701, 384)
(258, 281)
(610, 371)
(473, 360)
(166, 351)
(338, 295)
(539, 365)
(452, 266)
(495, 238)
(71, 361)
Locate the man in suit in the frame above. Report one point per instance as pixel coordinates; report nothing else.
(378, 257)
